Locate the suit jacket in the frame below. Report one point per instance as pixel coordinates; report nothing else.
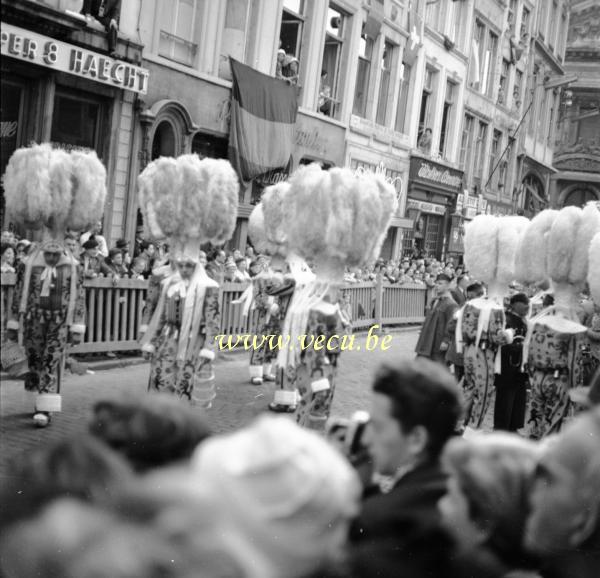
(414, 496)
(458, 296)
(435, 327)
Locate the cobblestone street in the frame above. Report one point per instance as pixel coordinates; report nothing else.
(236, 404)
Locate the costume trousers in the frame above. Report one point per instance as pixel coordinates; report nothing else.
(45, 341)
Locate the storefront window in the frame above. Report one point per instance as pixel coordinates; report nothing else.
(12, 99)
(77, 122)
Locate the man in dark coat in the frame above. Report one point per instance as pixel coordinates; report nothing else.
(511, 383)
(459, 293)
(433, 339)
(414, 411)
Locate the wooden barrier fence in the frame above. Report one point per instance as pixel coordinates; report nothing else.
(114, 310)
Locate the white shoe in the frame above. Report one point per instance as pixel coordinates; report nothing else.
(41, 419)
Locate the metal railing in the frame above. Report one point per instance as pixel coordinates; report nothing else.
(114, 310)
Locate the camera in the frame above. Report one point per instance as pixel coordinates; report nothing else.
(348, 434)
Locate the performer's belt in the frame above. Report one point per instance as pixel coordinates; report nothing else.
(45, 315)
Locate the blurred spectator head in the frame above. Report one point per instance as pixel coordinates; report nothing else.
(72, 244)
(22, 248)
(564, 514)
(415, 407)
(7, 254)
(150, 431)
(97, 228)
(220, 256)
(80, 467)
(91, 247)
(237, 254)
(462, 281)
(70, 538)
(249, 251)
(285, 487)
(519, 303)
(442, 283)
(116, 256)
(486, 502)
(475, 290)
(202, 258)
(8, 237)
(139, 265)
(123, 245)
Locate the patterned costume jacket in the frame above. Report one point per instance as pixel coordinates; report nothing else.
(195, 371)
(45, 329)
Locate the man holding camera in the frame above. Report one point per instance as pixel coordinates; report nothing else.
(511, 383)
(414, 411)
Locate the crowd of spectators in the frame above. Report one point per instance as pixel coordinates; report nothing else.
(149, 491)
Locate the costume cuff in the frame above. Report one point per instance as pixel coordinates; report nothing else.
(207, 354)
(143, 328)
(78, 328)
(12, 324)
(148, 348)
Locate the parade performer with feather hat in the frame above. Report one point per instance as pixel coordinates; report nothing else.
(556, 246)
(52, 190)
(490, 247)
(188, 201)
(332, 219)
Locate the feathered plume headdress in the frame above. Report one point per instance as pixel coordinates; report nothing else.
(51, 188)
(339, 219)
(190, 201)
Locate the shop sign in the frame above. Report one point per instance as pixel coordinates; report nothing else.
(319, 139)
(430, 172)
(470, 205)
(393, 177)
(426, 207)
(34, 48)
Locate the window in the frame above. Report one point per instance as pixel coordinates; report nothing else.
(485, 50)
(517, 88)
(551, 38)
(479, 149)
(512, 6)
(551, 106)
(447, 118)
(457, 24)
(503, 87)
(562, 30)
(233, 39)
(542, 17)
(387, 62)
(332, 52)
(524, 22)
(489, 67)
(433, 13)
(163, 143)
(424, 141)
(292, 24)
(401, 124)
(77, 122)
(179, 23)
(361, 89)
(465, 141)
(494, 152)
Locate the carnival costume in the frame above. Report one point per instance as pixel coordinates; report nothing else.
(556, 246)
(490, 247)
(331, 219)
(188, 201)
(51, 190)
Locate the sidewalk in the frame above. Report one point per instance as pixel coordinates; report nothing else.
(237, 401)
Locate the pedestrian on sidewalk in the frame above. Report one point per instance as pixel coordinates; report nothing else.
(433, 340)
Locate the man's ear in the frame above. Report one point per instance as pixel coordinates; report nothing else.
(586, 523)
(418, 440)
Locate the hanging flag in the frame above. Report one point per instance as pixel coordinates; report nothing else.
(263, 122)
(414, 43)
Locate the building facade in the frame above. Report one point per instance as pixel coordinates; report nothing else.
(577, 154)
(62, 83)
(431, 94)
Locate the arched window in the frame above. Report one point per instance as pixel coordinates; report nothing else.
(535, 195)
(580, 196)
(163, 142)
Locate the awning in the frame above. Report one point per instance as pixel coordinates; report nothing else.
(402, 223)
